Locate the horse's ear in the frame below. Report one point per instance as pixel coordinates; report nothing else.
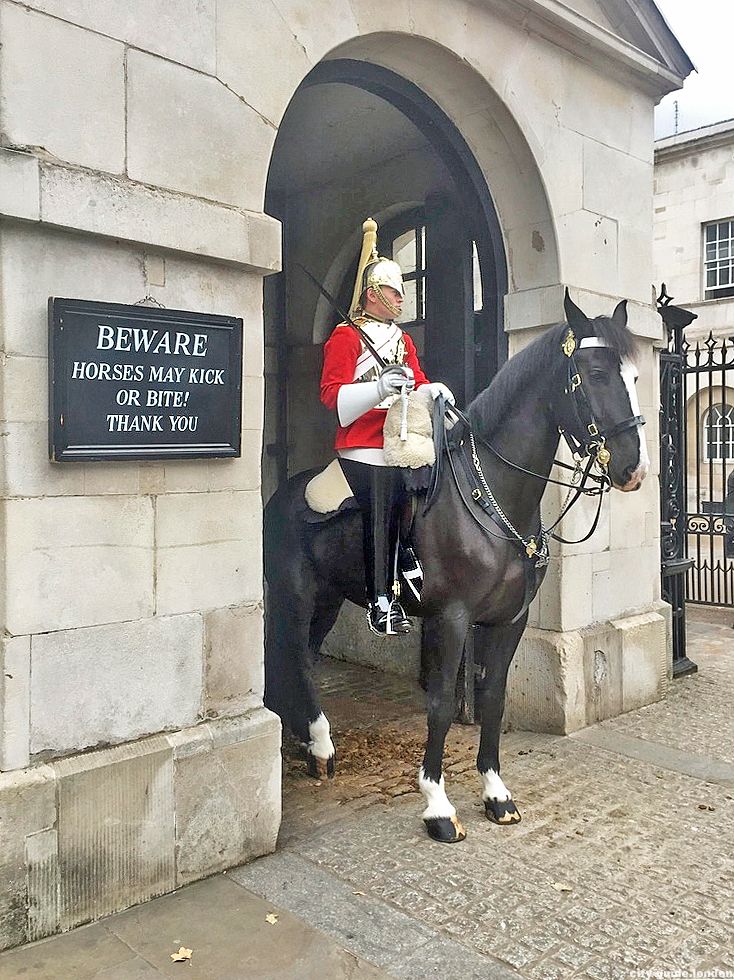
(619, 317)
(574, 316)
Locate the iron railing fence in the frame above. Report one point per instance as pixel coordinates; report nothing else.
(708, 375)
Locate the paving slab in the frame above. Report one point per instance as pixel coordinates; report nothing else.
(224, 925)
(364, 923)
(88, 952)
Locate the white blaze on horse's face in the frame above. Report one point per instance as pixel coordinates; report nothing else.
(629, 374)
(629, 377)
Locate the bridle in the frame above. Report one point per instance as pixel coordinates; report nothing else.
(592, 447)
(594, 441)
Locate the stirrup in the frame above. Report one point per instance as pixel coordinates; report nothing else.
(389, 622)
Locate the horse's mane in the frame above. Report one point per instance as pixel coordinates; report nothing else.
(540, 359)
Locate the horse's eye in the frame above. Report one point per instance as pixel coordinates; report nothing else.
(598, 376)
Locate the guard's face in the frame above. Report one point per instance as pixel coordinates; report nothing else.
(375, 305)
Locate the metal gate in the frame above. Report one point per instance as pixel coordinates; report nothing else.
(708, 372)
(675, 563)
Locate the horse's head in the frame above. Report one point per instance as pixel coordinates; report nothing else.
(599, 409)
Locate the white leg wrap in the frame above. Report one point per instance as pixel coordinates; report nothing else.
(438, 803)
(493, 788)
(320, 745)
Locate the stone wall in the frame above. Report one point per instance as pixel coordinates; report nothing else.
(132, 592)
(694, 184)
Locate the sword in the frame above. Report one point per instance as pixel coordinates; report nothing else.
(403, 414)
(345, 316)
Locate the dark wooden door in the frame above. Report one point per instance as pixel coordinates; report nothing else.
(450, 347)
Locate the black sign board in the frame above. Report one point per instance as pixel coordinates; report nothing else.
(139, 382)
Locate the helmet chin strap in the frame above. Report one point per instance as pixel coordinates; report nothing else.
(395, 310)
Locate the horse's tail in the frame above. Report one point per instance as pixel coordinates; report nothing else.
(282, 524)
(288, 605)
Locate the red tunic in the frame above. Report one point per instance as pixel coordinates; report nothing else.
(341, 351)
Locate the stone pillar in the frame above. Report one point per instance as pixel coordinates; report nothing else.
(597, 643)
(135, 752)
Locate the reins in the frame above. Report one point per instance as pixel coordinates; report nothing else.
(535, 547)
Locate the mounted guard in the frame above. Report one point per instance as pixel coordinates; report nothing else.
(482, 539)
(370, 363)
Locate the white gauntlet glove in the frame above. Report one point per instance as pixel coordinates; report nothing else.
(437, 388)
(355, 399)
(393, 379)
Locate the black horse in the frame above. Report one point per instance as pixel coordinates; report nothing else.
(481, 544)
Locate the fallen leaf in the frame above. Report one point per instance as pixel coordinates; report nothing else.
(562, 888)
(182, 955)
(271, 918)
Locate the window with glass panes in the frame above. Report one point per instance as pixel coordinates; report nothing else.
(718, 432)
(718, 245)
(409, 251)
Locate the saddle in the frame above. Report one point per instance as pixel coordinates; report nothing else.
(328, 494)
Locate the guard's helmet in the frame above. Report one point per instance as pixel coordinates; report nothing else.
(374, 270)
(384, 272)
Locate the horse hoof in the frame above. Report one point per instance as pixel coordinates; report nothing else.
(321, 768)
(446, 830)
(502, 812)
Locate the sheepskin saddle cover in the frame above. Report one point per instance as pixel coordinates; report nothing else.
(328, 490)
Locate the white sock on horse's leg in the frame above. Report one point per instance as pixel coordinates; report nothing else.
(439, 815)
(438, 803)
(493, 788)
(320, 744)
(499, 806)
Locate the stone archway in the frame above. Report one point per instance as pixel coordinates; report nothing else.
(548, 124)
(469, 134)
(408, 149)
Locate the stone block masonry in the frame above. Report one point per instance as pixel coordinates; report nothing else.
(92, 834)
(561, 682)
(133, 600)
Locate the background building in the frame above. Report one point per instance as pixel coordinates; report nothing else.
(185, 150)
(694, 256)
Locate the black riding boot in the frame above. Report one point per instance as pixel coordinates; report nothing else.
(378, 490)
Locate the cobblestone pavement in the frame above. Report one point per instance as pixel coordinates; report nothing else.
(684, 720)
(623, 861)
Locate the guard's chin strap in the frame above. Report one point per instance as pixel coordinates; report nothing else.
(395, 310)
(359, 311)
